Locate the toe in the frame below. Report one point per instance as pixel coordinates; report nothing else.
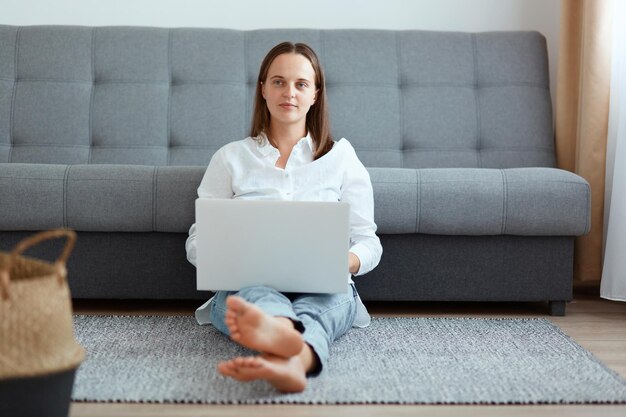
(235, 304)
(250, 362)
(239, 362)
(230, 321)
(226, 368)
(246, 362)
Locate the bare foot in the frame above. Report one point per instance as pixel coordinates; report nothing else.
(285, 374)
(256, 330)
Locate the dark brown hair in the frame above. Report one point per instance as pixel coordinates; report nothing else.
(317, 121)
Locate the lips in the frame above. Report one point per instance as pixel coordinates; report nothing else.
(288, 105)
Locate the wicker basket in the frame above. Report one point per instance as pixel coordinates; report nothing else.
(38, 352)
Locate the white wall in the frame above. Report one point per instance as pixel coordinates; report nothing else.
(453, 15)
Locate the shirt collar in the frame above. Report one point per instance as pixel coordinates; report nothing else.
(265, 148)
(263, 145)
(309, 141)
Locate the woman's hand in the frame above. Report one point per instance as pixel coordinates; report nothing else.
(354, 263)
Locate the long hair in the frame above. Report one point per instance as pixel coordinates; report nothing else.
(317, 120)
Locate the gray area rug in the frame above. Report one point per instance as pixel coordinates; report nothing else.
(394, 361)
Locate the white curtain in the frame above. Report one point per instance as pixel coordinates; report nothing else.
(613, 284)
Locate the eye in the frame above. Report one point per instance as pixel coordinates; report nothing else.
(302, 85)
(277, 82)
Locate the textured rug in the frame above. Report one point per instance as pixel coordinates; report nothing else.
(394, 361)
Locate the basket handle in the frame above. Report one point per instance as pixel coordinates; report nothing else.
(33, 240)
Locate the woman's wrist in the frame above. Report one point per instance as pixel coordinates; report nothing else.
(354, 263)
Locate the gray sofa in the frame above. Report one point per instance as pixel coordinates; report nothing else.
(108, 131)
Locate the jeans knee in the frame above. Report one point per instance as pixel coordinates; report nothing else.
(254, 293)
(333, 319)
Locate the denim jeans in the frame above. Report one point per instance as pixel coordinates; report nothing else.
(321, 318)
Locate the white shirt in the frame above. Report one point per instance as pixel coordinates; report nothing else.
(247, 169)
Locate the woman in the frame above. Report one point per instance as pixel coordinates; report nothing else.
(290, 155)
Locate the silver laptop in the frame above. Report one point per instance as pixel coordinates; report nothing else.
(291, 246)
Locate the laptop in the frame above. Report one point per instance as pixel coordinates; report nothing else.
(291, 246)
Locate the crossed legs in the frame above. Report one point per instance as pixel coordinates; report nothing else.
(285, 359)
(292, 340)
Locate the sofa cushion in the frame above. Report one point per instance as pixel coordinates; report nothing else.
(158, 96)
(520, 201)
(135, 198)
(123, 198)
(31, 196)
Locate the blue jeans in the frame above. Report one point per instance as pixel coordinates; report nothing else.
(321, 318)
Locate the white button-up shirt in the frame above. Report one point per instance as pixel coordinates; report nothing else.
(247, 169)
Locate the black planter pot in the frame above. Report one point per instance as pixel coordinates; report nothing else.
(47, 395)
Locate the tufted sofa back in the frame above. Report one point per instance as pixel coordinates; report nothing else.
(156, 96)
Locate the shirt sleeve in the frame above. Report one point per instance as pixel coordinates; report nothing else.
(357, 191)
(216, 183)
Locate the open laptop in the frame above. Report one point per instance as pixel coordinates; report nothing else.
(291, 246)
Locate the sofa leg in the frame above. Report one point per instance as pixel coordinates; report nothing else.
(557, 308)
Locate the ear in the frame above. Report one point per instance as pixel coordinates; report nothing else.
(263, 89)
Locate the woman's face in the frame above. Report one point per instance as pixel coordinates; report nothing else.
(289, 89)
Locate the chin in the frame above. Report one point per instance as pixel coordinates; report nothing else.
(281, 118)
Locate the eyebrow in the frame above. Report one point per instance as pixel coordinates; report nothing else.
(280, 76)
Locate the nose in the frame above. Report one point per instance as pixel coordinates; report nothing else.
(290, 91)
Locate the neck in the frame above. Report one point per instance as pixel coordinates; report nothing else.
(286, 135)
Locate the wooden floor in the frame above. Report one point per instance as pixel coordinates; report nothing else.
(596, 324)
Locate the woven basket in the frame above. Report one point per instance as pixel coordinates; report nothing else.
(36, 327)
